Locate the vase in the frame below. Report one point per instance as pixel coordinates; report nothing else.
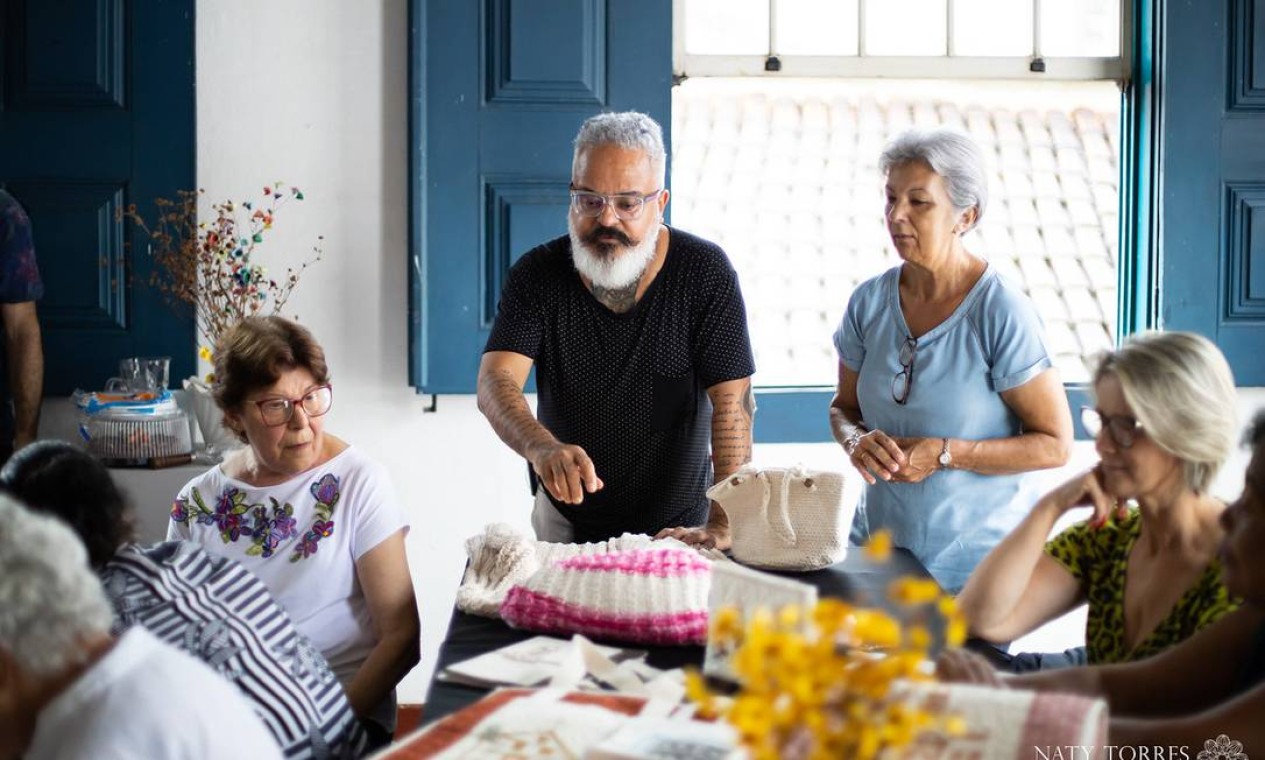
(218, 439)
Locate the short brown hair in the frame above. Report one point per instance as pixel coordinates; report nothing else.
(254, 353)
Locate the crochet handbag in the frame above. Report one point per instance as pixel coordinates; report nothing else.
(643, 596)
(786, 518)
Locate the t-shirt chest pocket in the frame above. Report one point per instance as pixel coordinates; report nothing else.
(674, 401)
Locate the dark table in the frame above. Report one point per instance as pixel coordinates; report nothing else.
(856, 579)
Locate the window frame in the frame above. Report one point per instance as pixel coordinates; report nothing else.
(1036, 66)
(798, 414)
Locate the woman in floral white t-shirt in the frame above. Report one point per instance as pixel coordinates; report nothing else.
(314, 518)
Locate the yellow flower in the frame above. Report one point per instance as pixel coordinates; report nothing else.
(726, 626)
(919, 637)
(205, 354)
(789, 617)
(879, 547)
(810, 686)
(696, 691)
(911, 591)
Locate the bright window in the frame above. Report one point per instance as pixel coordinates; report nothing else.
(782, 171)
(951, 39)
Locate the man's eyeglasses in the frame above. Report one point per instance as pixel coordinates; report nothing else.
(626, 206)
(904, 379)
(1123, 429)
(278, 411)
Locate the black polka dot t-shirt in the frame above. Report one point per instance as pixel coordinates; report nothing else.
(630, 389)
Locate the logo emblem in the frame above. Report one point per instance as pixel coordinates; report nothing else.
(1222, 748)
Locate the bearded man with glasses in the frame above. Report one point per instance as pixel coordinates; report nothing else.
(643, 363)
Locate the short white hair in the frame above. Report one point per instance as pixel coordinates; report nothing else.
(949, 153)
(50, 600)
(1181, 389)
(631, 130)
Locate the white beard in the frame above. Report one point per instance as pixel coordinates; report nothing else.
(620, 267)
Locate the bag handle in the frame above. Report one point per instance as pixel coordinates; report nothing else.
(780, 523)
(779, 518)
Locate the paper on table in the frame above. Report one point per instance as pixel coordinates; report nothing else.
(539, 726)
(527, 663)
(643, 738)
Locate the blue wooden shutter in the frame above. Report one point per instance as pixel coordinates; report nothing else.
(1213, 187)
(499, 88)
(98, 112)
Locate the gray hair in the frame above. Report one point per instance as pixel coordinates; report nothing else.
(1181, 389)
(50, 601)
(950, 154)
(631, 130)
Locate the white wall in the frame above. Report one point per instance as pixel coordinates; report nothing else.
(314, 92)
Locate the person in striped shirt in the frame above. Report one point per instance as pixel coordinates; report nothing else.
(209, 606)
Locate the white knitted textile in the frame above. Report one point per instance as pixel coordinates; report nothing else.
(501, 557)
(654, 595)
(786, 518)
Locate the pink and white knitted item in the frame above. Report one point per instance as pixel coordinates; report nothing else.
(642, 596)
(501, 557)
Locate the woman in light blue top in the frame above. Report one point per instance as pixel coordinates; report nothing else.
(946, 389)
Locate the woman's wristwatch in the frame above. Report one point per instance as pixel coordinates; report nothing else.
(945, 459)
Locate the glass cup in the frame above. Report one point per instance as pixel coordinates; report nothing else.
(156, 372)
(141, 374)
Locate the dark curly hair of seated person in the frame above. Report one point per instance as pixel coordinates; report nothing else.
(66, 482)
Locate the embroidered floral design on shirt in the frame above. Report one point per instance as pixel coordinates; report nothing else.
(269, 532)
(226, 516)
(267, 525)
(325, 491)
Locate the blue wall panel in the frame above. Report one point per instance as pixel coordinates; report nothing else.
(499, 89)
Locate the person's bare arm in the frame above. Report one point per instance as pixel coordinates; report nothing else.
(733, 415)
(1045, 440)
(384, 576)
(1239, 719)
(1187, 679)
(1017, 587)
(564, 469)
(25, 353)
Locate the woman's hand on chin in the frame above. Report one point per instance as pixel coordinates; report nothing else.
(1087, 490)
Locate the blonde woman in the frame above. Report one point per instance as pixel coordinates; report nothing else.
(1164, 424)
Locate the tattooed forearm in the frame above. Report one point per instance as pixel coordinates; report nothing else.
(619, 300)
(733, 409)
(501, 400)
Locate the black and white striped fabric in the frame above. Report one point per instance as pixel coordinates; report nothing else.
(217, 611)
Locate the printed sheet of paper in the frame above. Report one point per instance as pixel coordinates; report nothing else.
(527, 663)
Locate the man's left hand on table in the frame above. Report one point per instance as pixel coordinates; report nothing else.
(703, 538)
